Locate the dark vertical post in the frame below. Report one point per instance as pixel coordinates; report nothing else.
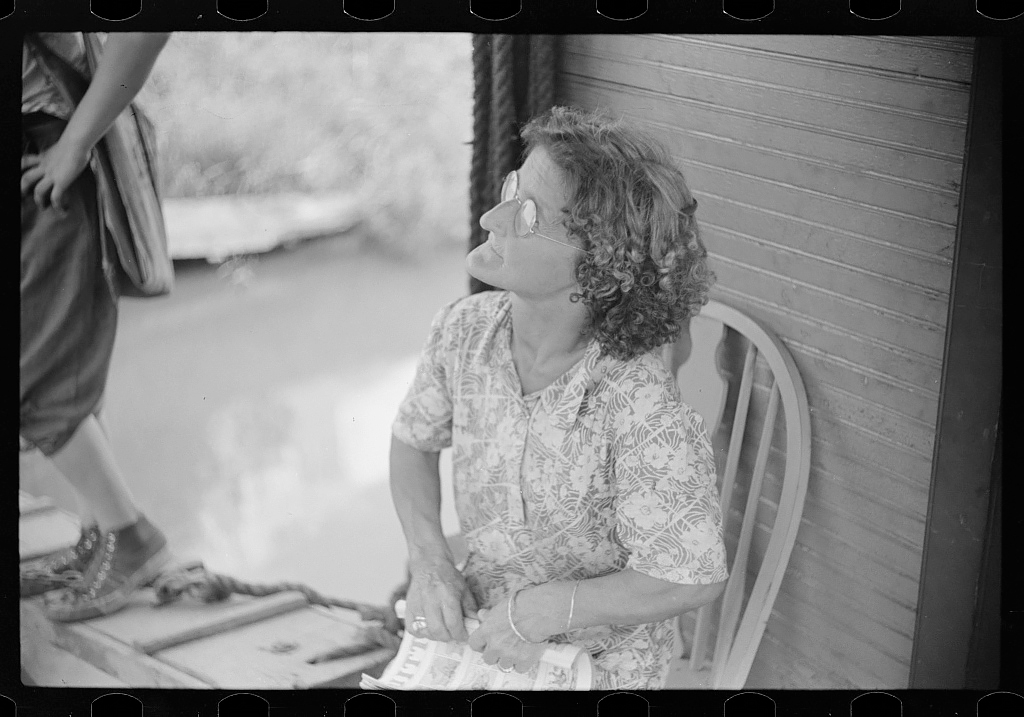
(969, 398)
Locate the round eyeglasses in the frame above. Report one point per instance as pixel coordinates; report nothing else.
(525, 220)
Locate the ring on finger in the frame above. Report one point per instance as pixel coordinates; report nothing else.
(505, 669)
(419, 623)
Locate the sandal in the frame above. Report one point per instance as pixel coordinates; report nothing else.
(60, 569)
(121, 566)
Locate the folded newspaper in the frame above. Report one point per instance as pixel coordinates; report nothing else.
(423, 664)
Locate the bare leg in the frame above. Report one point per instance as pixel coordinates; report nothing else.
(86, 515)
(88, 463)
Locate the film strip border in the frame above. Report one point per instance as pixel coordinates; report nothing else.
(346, 703)
(955, 17)
(958, 17)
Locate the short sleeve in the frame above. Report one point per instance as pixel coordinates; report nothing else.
(424, 418)
(667, 507)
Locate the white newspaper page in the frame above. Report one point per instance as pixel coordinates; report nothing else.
(423, 664)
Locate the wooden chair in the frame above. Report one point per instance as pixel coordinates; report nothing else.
(741, 613)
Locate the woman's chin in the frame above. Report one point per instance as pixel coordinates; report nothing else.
(484, 263)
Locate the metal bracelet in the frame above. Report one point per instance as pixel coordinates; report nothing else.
(511, 603)
(572, 604)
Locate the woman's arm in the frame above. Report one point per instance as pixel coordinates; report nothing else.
(437, 591)
(623, 598)
(416, 491)
(124, 66)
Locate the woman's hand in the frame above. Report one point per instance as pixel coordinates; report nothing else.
(499, 643)
(49, 175)
(438, 593)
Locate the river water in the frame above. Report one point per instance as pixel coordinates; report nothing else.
(250, 410)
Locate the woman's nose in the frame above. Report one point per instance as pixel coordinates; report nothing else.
(499, 217)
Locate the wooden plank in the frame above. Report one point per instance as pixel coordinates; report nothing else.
(894, 412)
(859, 483)
(897, 468)
(951, 62)
(903, 230)
(903, 227)
(272, 654)
(850, 607)
(742, 104)
(873, 156)
(915, 402)
(869, 604)
(840, 649)
(859, 414)
(899, 552)
(861, 186)
(880, 501)
(28, 503)
(925, 305)
(875, 614)
(150, 629)
(875, 255)
(888, 507)
(733, 598)
(777, 666)
(46, 665)
(837, 495)
(681, 677)
(819, 545)
(868, 320)
(971, 405)
(895, 554)
(927, 134)
(659, 56)
(102, 652)
(706, 178)
(737, 430)
(906, 470)
(841, 238)
(44, 532)
(812, 333)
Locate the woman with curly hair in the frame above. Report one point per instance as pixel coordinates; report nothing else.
(585, 488)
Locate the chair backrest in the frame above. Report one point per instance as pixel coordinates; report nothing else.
(740, 627)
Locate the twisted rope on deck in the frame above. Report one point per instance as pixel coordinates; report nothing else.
(195, 581)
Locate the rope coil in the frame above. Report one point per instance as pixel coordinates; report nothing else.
(195, 581)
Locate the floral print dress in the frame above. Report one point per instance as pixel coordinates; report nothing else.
(604, 469)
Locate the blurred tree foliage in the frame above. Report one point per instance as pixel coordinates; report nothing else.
(386, 117)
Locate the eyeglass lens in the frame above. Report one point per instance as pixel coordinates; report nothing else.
(509, 187)
(526, 215)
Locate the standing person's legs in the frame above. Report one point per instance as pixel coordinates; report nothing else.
(88, 464)
(68, 324)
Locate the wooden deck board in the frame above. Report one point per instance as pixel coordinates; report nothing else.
(111, 656)
(46, 530)
(28, 503)
(151, 628)
(47, 665)
(272, 654)
(241, 643)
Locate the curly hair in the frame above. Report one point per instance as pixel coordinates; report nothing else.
(645, 271)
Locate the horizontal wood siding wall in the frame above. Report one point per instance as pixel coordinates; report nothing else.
(828, 174)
